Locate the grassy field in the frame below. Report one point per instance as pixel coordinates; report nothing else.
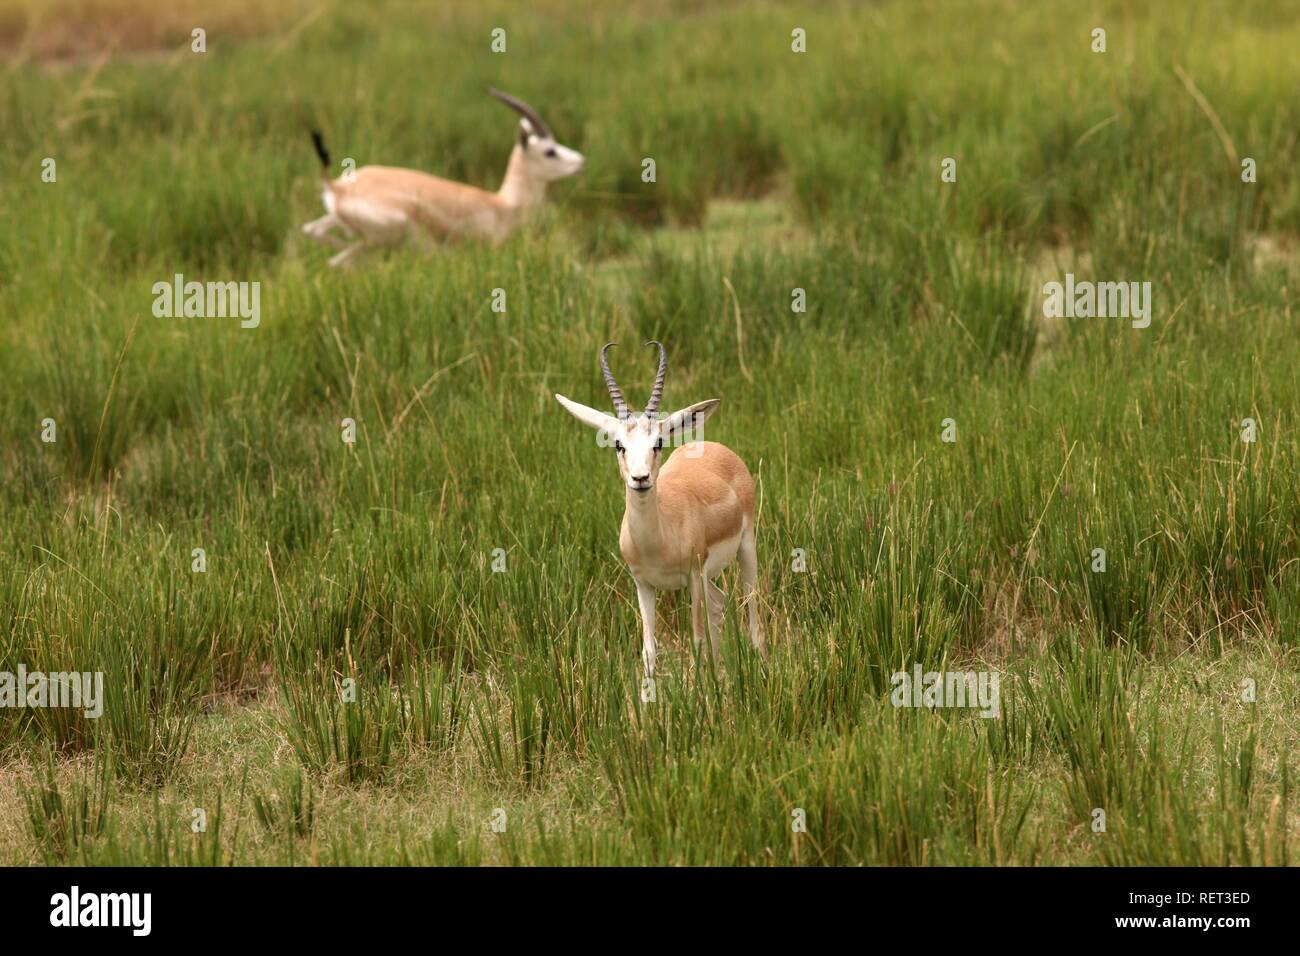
(1163, 691)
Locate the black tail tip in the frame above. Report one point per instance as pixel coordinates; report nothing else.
(319, 142)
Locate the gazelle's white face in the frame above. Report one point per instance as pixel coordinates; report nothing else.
(547, 160)
(640, 443)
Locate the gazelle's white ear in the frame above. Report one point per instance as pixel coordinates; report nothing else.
(589, 416)
(684, 424)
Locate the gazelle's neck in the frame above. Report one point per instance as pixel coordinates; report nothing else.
(519, 191)
(641, 512)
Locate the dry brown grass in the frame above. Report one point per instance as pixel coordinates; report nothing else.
(54, 31)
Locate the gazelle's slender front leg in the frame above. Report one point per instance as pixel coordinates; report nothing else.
(645, 596)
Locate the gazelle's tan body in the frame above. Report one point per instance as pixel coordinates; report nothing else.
(384, 204)
(696, 515)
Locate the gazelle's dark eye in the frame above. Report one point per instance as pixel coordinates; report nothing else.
(551, 154)
(618, 447)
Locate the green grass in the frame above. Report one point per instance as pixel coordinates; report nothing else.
(350, 682)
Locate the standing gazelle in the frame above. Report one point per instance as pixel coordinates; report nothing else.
(377, 205)
(682, 523)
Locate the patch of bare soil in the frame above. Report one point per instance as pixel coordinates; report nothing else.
(1279, 250)
(1051, 264)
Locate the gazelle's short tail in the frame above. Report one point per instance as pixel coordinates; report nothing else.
(321, 151)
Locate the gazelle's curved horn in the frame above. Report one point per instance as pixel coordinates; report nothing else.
(616, 393)
(657, 392)
(524, 110)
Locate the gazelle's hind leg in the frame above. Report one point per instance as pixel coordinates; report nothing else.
(319, 229)
(707, 604)
(348, 254)
(716, 599)
(697, 607)
(748, 555)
